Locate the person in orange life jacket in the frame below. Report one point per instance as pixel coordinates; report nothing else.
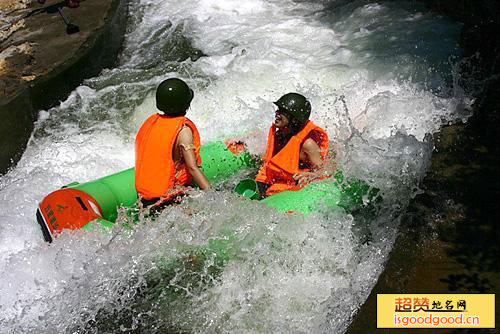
(296, 149)
(167, 148)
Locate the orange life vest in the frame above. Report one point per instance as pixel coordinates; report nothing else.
(156, 173)
(278, 170)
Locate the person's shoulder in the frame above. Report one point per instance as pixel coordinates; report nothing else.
(309, 144)
(185, 135)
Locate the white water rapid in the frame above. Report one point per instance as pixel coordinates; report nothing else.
(380, 79)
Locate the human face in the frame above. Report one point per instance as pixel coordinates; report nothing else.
(281, 121)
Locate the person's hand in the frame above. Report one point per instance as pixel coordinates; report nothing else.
(305, 177)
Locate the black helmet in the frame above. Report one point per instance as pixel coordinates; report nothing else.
(173, 97)
(296, 106)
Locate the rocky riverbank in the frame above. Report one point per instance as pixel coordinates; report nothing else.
(42, 59)
(448, 242)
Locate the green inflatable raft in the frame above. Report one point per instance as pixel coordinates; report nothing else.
(76, 206)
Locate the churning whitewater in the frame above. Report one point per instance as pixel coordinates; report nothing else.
(381, 82)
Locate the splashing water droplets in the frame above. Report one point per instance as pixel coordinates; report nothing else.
(379, 98)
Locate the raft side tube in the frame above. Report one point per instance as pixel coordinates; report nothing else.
(76, 205)
(334, 192)
(220, 160)
(112, 191)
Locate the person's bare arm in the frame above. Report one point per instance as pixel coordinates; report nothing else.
(319, 167)
(313, 153)
(185, 141)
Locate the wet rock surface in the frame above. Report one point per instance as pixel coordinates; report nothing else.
(448, 241)
(42, 59)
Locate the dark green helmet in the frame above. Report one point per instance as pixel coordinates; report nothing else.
(296, 106)
(173, 97)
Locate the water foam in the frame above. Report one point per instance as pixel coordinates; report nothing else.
(376, 86)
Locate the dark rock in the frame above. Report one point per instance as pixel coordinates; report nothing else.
(56, 65)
